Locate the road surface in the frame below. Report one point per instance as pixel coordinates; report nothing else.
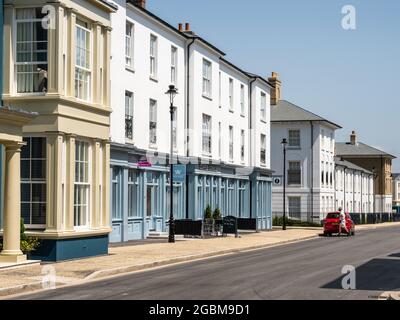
(305, 270)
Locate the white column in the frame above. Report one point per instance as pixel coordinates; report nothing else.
(12, 207)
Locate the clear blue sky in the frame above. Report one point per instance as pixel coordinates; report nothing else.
(350, 77)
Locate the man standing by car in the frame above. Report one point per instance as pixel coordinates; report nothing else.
(342, 221)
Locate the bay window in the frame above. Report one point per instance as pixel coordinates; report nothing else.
(83, 72)
(33, 182)
(81, 185)
(31, 51)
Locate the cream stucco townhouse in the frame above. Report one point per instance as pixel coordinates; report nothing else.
(221, 128)
(55, 126)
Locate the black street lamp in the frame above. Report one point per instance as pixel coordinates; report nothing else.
(284, 143)
(172, 92)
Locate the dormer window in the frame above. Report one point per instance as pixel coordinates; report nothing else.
(31, 51)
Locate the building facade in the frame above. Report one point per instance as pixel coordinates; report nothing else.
(396, 192)
(310, 164)
(56, 64)
(376, 161)
(354, 188)
(220, 128)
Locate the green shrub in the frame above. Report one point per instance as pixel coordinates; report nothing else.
(217, 214)
(208, 213)
(278, 221)
(28, 244)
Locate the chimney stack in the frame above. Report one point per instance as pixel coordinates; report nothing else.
(353, 138)
(140, 3)
(180, 27)
(187, 27)
(276, 90)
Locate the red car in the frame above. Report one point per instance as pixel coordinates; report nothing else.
(332, 224)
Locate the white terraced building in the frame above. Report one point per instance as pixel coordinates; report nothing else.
(221, 127)
(354, 187)
(310, 163)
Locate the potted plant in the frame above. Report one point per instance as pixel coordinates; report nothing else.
(208, 221)
(218, 223)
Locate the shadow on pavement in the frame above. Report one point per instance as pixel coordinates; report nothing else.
(395, 255)
(375, 275)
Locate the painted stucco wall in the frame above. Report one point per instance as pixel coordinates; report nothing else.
(354, 191)
(137, 80)
(323, 143)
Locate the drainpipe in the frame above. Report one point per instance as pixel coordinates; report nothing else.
(187, 118)
(188, 94)
(312, 170)
(250, 137)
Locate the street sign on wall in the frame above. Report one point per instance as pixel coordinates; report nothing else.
(179, 173)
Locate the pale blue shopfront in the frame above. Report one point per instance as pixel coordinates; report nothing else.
(140, 195)
(241, 196)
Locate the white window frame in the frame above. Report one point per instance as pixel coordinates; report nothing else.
(219, 140)
(263, 149)
(84, 69)
(86, 185)
(153, 56)
(207, 78)
(300, 173)
(231, 144)
(291, 207)
(242, 146)
(206, 135)
(130, 44)
(290, 135)
(220, 90)
(242, 100)
(175, 130)
(32, 181)
(174, 65)
(263, 107)
(33, 63)
(153, 131)
(231, 93)
(129, 112)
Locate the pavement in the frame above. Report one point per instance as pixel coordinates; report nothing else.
(147, 256)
